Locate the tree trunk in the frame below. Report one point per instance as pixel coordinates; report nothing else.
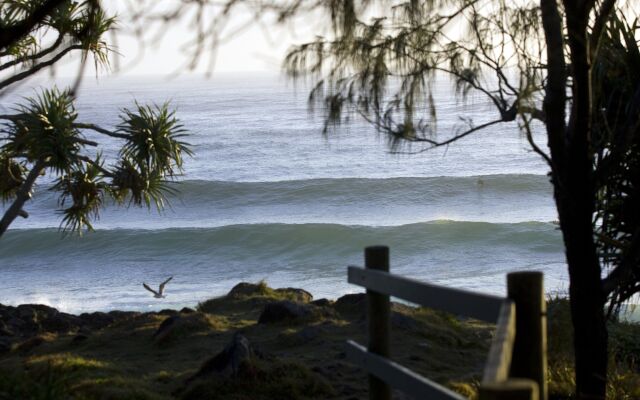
(585, 289)
(23, 194)
(572, 172)
(575, 198)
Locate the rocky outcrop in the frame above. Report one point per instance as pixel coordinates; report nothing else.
(322, 302)
(289, 311)
(23, 326)
(181, 326)
(97, 320)
(293, 294)
(284, 311)
(245, 289)
(229, 361)
(353, 305)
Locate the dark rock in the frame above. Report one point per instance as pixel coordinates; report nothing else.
(166, 325)
(79, 338)
(14, 323)
(299, 295)
(351, 299)
(5, 344)
(31, 343)
(4, 329)
(61, 323)
(22, 327)
(355, 303)
(229, 360)
(97, 320)
(39, 310)
(122, 315)
(284, 311)
(26, 313)
(187, 310)
(321, 302)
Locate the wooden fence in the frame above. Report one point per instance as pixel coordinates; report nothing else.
(516, 365)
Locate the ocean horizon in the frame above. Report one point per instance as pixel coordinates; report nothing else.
(268, 197)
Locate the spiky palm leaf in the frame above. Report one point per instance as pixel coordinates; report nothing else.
(44, 131)
(82, 191)
(141, 188)
(89, 29)
(154, 145)
(616, 129)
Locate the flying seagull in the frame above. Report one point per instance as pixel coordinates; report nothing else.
(159, 294)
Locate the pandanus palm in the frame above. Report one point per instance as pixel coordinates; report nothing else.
(616, 76)
(45, 136)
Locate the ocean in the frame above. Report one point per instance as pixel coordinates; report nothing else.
(268, 197)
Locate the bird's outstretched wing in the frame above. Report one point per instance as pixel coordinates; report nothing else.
(164, 283)
(149, 289)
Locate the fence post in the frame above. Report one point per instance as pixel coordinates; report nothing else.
(378, 315)
(529, 359)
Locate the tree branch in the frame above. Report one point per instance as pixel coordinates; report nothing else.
(434, 143)
(11, 34)
(555, 97)
(36, 56)
(38, 67)
(534, 145)
(101, 130)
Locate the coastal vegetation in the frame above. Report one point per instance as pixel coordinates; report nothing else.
(297, 354)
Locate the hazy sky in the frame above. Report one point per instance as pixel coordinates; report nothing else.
(260, 47)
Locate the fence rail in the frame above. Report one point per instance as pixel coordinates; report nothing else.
(456, 301)
(516, 363)
(499, 360)
(398, 376)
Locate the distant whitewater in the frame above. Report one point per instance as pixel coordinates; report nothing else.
(268, 197)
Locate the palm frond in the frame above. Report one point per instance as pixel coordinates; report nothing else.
(44, 131)
(82, 194)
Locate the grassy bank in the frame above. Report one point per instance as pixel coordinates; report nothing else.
(297, 354)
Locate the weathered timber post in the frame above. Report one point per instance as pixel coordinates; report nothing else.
(529, 359)
(512, 389)
(378, 315)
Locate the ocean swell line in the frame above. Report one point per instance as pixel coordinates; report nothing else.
(281, 239)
